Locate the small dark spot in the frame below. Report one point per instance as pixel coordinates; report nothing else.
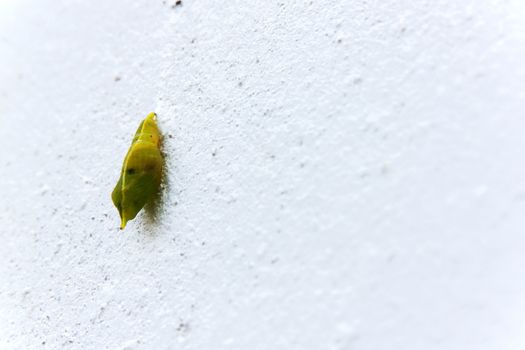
(117, 78)
(193, 40)
(130, 171)
(170, 136)
(403, 29)
(240, 84)
(177, 3)
(339, 41)
(357, 81)
(183, 327)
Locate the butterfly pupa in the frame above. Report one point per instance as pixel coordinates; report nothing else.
(141, 172)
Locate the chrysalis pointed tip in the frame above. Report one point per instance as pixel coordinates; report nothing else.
(152, 116)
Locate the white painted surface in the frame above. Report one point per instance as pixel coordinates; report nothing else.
(340, 175)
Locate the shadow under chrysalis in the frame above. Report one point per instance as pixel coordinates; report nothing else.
(141, 172)
(153, 206)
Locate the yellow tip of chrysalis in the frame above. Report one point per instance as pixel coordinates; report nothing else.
(123, 223)
(152, 116)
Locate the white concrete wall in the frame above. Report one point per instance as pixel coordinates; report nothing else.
(340, 174)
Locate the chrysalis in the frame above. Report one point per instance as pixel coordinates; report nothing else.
(141, 172)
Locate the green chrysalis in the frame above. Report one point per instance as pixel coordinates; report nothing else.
(141, 172)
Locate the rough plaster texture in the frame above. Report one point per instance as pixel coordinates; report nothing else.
(340, 175)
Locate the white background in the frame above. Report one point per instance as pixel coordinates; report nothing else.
(340, 174)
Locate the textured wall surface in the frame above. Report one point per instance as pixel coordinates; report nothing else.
(340, 174)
